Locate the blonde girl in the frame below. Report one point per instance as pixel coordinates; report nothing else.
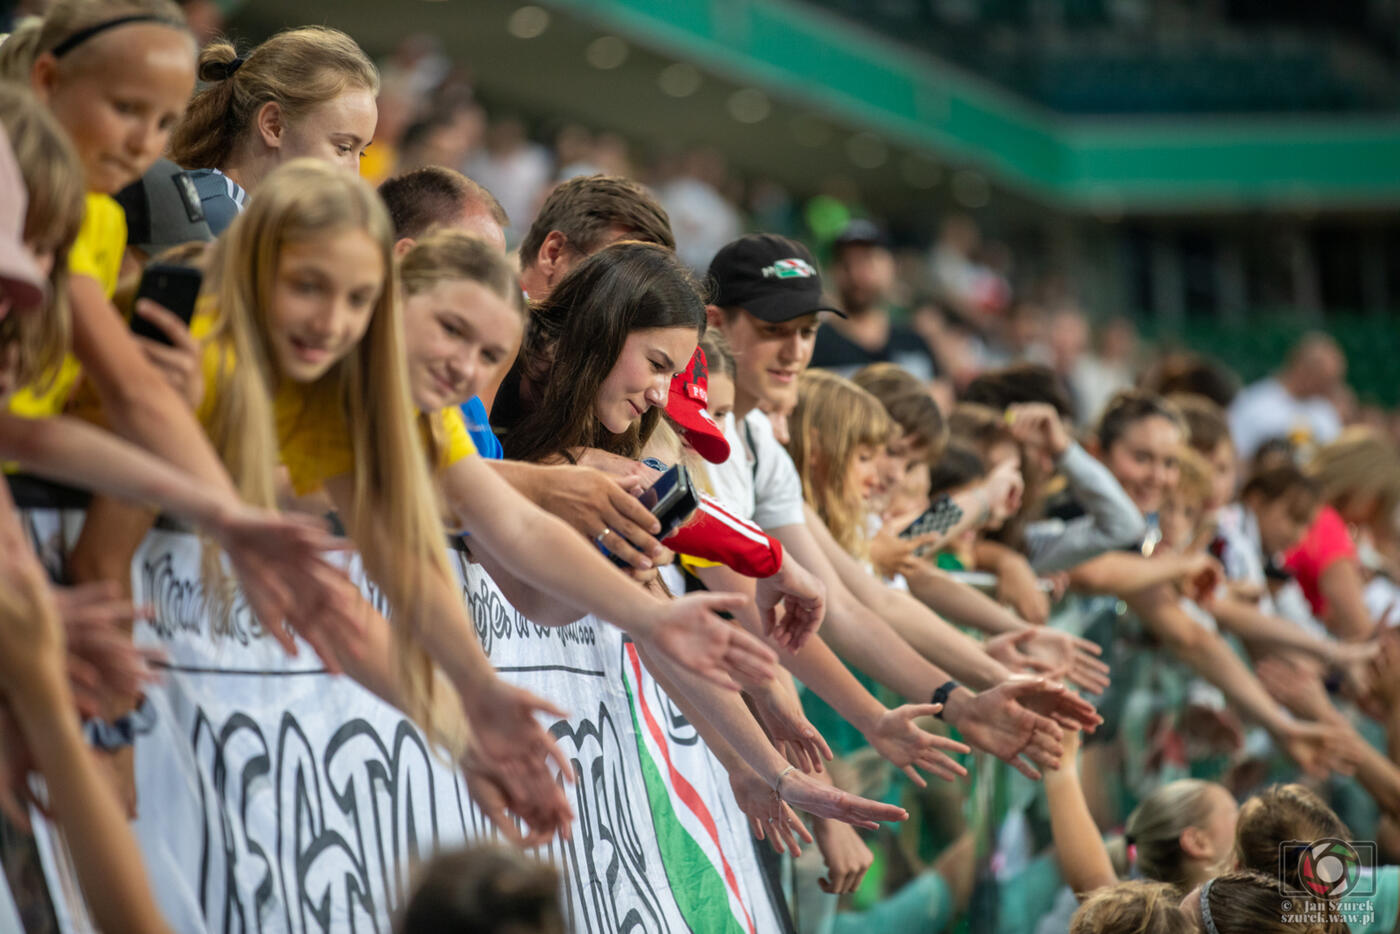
(307, 92)
(115, 77)
(838, 434)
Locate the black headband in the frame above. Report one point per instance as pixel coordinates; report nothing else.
(83, 35)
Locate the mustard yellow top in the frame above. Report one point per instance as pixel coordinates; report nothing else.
(313, 431)
(97, 254)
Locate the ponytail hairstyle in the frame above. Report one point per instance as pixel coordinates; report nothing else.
(36, 35)
(833, 417)
(575, 337)
(1138, 907)
(1251, 903)
(53, 178)
(393, 491)
(1155, 827)
(1278, 814)
(297, 69)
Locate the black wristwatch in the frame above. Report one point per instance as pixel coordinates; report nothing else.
(940, 696)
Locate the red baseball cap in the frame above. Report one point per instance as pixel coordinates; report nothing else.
(686, 407)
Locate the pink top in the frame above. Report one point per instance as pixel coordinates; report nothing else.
(1327, 540)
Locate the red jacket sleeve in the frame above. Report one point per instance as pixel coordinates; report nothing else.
(716, 534)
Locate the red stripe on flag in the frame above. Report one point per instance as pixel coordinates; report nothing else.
(684, 789)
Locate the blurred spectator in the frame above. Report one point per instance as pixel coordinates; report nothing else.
(515, 170)
(1186, 372)
(1297, 403)
(863, 275)
(969, 285)
(701, 218)
(445, 137)
(1098, 376)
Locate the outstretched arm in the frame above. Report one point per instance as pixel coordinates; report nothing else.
(1079, 848)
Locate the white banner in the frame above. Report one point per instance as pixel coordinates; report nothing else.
(276, 798)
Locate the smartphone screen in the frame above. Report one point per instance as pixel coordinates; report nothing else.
(174, 288)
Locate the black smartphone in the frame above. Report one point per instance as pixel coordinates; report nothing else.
(940, 517)
(174, 288)
(671, 499)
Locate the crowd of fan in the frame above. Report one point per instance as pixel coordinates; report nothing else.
(1132, 621)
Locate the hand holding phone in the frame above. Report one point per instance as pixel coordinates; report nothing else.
(165, 304)
(671, 500)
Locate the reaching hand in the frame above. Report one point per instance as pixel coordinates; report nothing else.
(507, 735)
(544, 811)
(1004, 486)
(181, 362)
(1018, 718)
(803, 599)
(595, 503)
(1038, 425)
(1041, 650)
(846, 855)
(691, 634)
(769, 817)
(891, 555)
(286, 579)
(901, 741)
(791, 732)
(1201, 576)
(1318, 749)
(101, 658)
(820, 799)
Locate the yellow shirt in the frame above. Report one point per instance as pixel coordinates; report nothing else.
(313, 429)
(97, 254)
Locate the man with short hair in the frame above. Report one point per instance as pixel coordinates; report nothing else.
(579, 218)
(435, 196)
(1295, 403)
(863, 275)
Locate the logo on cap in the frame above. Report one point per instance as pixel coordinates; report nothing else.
(789, 269)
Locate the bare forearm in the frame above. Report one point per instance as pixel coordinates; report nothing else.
(965, 605)
(723, 711)
(1209, 656)
(515, 531)
(1079, 848)
(74, 452)
(1259, 628)
(105, 854)
(1121, 573)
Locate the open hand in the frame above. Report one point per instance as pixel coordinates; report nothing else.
(846, 855)
(690, 632)
(1041, 650)
(770, 818)
(791, 732)
(904, 743)
(803, 601)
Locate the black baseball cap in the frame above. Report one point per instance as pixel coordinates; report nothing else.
(163, 209)
(771, 277)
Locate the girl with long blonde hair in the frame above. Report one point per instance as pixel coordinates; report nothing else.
(115, 76)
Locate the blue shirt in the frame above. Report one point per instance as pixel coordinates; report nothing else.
(479, 427)
(222, 198)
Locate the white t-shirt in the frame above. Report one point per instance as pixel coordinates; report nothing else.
(758, 483)
(1265, 410)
